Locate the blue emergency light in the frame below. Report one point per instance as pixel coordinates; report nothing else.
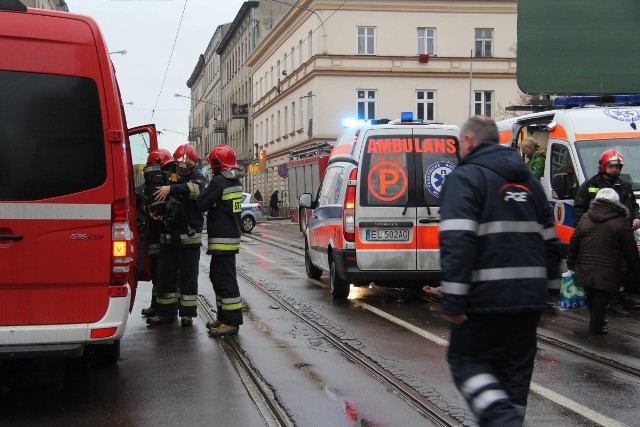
(581, 101)
(406, 116)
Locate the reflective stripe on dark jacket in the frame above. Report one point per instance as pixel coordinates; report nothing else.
(497, 237)
(587, 192)
(599, 244)
(222, 199)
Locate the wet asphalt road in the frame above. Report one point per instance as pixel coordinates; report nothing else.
(170, 375)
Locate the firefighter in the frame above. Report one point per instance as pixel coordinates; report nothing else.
(609, 168)
(180, 240)
(222, 199)
(160, 166)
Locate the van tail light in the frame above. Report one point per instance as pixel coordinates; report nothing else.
(260, 205)
(349, 217)
(121, 243)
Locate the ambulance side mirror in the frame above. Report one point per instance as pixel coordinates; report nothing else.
(305, 201)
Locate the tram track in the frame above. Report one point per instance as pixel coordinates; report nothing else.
(266, 400)
(420, 403)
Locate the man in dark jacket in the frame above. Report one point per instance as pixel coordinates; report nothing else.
(598, 245)
(609, 168)
(222, 199)
(498, 250)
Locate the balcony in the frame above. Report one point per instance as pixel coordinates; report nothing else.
(219, 126)
(195, 134)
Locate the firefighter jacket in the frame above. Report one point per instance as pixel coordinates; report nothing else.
(498, 243)
(587, 192)
(222, 200)
(183, 220)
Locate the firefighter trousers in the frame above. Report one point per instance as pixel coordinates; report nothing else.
(491, 360)
(178, 268)
(222, 273)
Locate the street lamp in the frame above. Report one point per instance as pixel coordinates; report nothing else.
(219, 110)
(118, 52)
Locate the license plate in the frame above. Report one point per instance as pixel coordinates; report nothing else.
(382, 235)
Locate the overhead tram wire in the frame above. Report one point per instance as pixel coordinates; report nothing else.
(166, 71)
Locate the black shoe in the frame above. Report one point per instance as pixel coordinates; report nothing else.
(617, 310)
(149, 311)
(600, 332)
(160, 320)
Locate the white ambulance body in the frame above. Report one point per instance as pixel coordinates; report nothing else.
(376, 213)
(574, 139)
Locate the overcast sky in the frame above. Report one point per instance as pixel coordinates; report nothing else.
(147, 30)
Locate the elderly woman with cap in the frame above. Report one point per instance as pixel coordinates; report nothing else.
(536, 156)
(599, 246)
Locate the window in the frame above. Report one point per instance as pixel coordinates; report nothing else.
(293, 116)
(53, 125)
(427, 41)
(366, 40)
(329, 191)
(564, 181)
(426, 105)
(483, 102)
(366, 104)
(484, 41)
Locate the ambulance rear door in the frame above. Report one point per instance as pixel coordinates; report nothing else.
(386, 206)
(435, 156)
(397, 211)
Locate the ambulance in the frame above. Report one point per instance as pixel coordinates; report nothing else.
(69, 246)
(574, 135)
(375, 215)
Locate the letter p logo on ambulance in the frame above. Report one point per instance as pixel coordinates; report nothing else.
(387, 181)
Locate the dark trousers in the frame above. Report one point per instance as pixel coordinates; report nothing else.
(597, 301)
(222, 273)
(491, 360)
(178, 268)
(155, 289)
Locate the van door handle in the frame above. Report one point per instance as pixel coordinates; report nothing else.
(428, 220)
(11, 237)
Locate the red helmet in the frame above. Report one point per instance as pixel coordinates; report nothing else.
(222, 158)
(160, 157)
(612, 157)
(185, 156)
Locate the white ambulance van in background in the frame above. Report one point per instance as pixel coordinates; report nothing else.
(68, 233)
(375, 216)
(575, 134)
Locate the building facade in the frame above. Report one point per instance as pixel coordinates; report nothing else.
(252, 24)
(326, 62)
(207, 120)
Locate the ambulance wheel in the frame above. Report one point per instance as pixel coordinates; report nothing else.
(339, 287)
(313, 272)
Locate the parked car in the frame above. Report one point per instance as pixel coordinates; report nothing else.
(251, 212)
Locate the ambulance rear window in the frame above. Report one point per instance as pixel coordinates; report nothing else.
(406, 170)
(51, 139)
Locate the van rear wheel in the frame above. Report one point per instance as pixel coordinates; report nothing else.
(313, 272)
(339, 287)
